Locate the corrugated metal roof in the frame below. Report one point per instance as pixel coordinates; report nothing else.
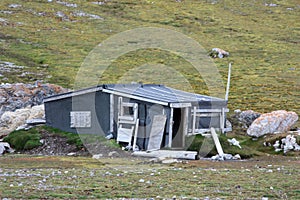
(159, 93)
(153, 92)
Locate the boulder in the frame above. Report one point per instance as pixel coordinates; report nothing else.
(9, 121)
(5, 148)
(217, 52)
(247, 117)
(275, 122)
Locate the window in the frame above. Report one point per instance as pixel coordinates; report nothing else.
(80, 119)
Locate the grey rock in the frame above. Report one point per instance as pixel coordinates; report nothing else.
(113, 154)
(246, 118)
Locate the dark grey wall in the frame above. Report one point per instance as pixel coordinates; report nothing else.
(58, 112)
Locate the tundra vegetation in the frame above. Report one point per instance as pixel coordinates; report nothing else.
(49, 40)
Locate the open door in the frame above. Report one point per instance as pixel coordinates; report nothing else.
(180, 120)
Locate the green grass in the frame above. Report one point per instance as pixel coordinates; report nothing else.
(23, 140)
(262, 40)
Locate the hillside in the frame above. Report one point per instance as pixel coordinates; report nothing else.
(49, 40)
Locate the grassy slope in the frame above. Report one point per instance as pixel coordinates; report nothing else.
(263, 42)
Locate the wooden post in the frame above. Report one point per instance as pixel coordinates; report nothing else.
(185, 125)
(217, 142)
(111, 113)
(135, 134)
(228, 82)
(194, 121)
(223, 121)
(171, 128)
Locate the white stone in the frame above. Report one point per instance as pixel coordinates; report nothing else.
(275, 122)
(237, 157)
(234, 142)
(13, 120)
(5, 147)
(169, 161)
(97, 156)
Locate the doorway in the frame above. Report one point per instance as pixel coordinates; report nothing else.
(180, 117)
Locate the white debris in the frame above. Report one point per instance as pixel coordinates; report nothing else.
(98, 2)
(109, 136)
(83, 14)
(14, 6)
(74, 5)
(234, 142)
(226, 157)
(276, 145)
(287, 144)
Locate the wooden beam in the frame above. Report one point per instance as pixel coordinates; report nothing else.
(180, 105)
(171, 128)
(135, 134)
(131, 96)
(217, 142)
(194, 120)
(189, 155)
(111, 113)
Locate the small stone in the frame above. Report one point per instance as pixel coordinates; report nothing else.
(169, 161)
(97, 156)
(141, 181)
(237, 157)
(113, 154)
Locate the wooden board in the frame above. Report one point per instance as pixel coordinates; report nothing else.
(125, 134)
(156, 132)
(189, 155)
(217, 142)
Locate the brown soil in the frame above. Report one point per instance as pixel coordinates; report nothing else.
(57, 145)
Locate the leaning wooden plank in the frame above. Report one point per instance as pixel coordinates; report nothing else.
(135, 134)
(217, 142)
(156, 132)
(188, 155)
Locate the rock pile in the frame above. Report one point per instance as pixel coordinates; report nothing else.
(245, 118)
(21, 102)
(20, 95)
(279, 121)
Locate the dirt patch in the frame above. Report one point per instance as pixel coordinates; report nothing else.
(53, 144)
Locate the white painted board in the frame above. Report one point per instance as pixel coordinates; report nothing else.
(156, 132)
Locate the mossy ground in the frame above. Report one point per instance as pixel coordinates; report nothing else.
(85, 178)
(263, 42)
